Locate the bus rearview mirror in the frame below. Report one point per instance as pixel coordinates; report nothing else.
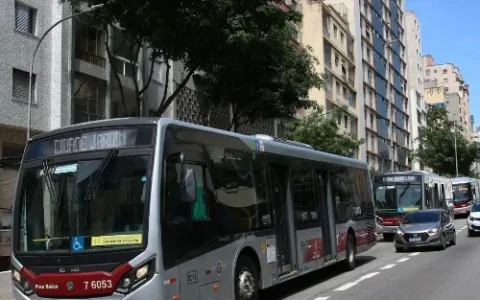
(190, 187)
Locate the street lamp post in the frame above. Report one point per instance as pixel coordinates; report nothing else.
(455, 144)
(29, 115)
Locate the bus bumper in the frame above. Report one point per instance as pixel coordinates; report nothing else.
(152, 287)
(389, 230)
(462, 210)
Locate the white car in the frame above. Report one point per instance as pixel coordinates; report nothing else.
(473, 220)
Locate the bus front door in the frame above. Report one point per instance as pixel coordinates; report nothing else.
(280, 190)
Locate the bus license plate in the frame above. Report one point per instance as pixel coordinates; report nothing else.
(414, 239)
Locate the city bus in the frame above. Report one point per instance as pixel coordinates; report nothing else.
(398, 193)
(145, 207)
(465, 193)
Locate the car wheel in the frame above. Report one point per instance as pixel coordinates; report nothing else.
(399, 249)
(453, 242)
(470, 232)
(443, 242)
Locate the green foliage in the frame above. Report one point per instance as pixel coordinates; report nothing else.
(437, 142)
(244, 47)
(322, 132)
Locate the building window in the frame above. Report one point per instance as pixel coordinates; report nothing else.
(444, 71)
(25, 18)
(335, 31)
(20, 81)
(89, 102)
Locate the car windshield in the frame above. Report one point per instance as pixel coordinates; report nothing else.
(476, 207)
(71, 209)
(421, 217)
(462, 192)
(398, 198)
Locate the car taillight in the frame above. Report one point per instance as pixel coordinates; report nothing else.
(21, 283)
(136, 277)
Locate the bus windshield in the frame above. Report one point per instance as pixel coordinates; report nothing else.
(398, 197)
(462, 192)
(83, 205)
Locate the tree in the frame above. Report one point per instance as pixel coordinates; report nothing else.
(437, 142)
(322, 133)
(243, 46)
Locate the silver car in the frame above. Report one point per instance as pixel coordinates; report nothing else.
(425, 228)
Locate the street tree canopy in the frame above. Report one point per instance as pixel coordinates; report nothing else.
(322, 132)
(244, 47)
(437, 142)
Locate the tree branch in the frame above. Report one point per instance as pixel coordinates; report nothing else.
(150, 76)
(165, 87)
(115, 72)
(172, 97)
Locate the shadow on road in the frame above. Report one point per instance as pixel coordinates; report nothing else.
(309, 280)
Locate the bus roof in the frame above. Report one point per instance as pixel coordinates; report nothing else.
(274, 145)
(459, 180)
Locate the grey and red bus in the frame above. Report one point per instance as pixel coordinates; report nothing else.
(465, 193)
(145, 208)
(398, 193)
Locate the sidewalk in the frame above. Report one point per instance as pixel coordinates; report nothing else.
(5, 287)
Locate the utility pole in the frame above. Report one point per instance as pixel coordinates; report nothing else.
(455, 141)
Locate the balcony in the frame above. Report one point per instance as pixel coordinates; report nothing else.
(90, 58)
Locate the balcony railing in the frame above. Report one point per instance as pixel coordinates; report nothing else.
(90, 58)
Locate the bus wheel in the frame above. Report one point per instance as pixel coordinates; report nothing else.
(246, 279)
(350, 261)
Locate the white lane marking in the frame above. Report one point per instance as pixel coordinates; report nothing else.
(321, 298)
(388, 267)
(346, 286)
(369, 275)
(351, 284)
(403, 259)
(459, 230)
(464, 227)
(415, 254)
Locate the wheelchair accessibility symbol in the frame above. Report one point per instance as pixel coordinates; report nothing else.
(77, 243)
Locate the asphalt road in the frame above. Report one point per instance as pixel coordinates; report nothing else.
(383, 274)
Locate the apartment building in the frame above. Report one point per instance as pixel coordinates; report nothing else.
(333, 45)
(415, 76)
(445, 87)
(378, 27)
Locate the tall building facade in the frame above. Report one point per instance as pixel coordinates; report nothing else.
(444, 86)
(378, 27)
(333, 45)
(416, 77)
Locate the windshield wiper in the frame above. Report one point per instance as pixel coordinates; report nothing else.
(405, 190)
(47, 172)
(92, 185)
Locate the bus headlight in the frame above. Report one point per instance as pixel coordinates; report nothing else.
(136, 277)
(21, 283)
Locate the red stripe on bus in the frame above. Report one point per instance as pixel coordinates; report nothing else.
(75, 284)
(363, 236)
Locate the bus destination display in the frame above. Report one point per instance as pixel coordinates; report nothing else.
(89, 141)
(92, 140)
(398, 178)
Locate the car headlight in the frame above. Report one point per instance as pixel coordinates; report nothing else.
(399, 231)
(433, 231)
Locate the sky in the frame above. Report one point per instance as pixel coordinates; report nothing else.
(450, 33)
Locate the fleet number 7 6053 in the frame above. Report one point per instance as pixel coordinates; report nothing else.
(98, 284)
